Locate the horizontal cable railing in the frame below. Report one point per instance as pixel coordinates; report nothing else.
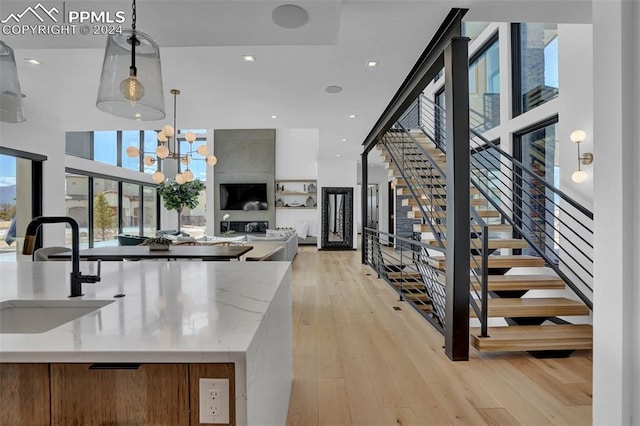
(405, 267)
(555, 226)
(426, 182)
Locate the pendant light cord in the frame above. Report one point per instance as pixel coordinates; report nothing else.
(176, 143)
(133, 71)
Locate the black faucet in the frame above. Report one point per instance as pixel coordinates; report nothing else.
(76, 276)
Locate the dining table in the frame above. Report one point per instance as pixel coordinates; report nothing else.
(119, 253)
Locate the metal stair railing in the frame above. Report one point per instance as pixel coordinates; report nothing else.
(412, 162)
(564, 236)
(405, 267)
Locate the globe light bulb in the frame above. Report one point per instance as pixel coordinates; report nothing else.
(162, 137)
(180, 179)
(168, 131)
(579, 176)
(132, 151)
(158, 177)
(211, 160)
(162, 151)
(190, 137)
(578, 136)
(132, 89)
(148, 160)
(188, 175)
(202, 150)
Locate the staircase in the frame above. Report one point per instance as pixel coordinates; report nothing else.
(521, 319)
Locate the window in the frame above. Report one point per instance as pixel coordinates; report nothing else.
(439, 115)
(484, 87)
(535, 62)
(77, 205)
(106, 206)
(536, 206)
(105, 147)
(105, 211)
(20, 198)
(130, 138)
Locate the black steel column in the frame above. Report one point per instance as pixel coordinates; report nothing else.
(456, 60)
(364, 184)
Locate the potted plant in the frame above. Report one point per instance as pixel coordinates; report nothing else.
(178, 196)
(160, 243)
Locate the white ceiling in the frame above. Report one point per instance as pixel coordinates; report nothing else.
(202, 43)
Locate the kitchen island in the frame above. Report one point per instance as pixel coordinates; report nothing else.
(178, 313)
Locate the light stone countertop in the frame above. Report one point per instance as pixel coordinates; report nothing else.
(172, 311)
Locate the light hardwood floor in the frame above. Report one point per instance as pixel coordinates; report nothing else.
(357, 361)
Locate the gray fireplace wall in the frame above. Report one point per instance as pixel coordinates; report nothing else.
(245, 156)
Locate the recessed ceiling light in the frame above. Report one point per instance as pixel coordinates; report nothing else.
(249, 58)
(343, 140)
(372, 64)
(290, 16)
(33, 61)
(274, 116)
(333, 89)
(352, 116)
(138, 115)
(337, 155)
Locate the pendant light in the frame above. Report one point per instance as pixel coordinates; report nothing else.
(131, 80)
(11, 108)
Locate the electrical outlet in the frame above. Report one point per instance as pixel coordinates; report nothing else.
(214, 401)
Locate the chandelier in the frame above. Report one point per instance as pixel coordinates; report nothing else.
(169, 148)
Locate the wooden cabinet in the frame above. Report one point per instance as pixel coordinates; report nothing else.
(24, 394)
(296, 194)
(98, 394)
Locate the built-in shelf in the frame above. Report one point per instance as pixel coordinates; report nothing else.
(296, 194)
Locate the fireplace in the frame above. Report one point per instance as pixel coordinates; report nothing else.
(245, 227)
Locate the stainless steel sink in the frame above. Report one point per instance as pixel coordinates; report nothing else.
(38, 316)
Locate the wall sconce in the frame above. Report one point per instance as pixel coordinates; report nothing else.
(580, 175)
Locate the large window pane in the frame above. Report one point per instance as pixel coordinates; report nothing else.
(105, 147)
(8, 228)
(484, 88)
(197, 165)
(77, 205)
(130, 220)
(539, 152)
(149, 211)
(538, 51)
(150, 144)
(130, 138)
(16, 207)
(105, 212)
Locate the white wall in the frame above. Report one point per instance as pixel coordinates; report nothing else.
(342, 173)
(297, 158)
(616, 358)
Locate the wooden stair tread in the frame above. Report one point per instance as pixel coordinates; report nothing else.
(440, 202)
(509, 261)
(523, 282)
(403, 275)
(440, 214)
(409, 286)
(494, 243)
(497, 227)
(514, 307)
(534, 337)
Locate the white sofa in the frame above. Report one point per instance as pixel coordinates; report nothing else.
(290, 247)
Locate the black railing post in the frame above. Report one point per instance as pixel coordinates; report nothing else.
(456, 60)
(364, 185)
